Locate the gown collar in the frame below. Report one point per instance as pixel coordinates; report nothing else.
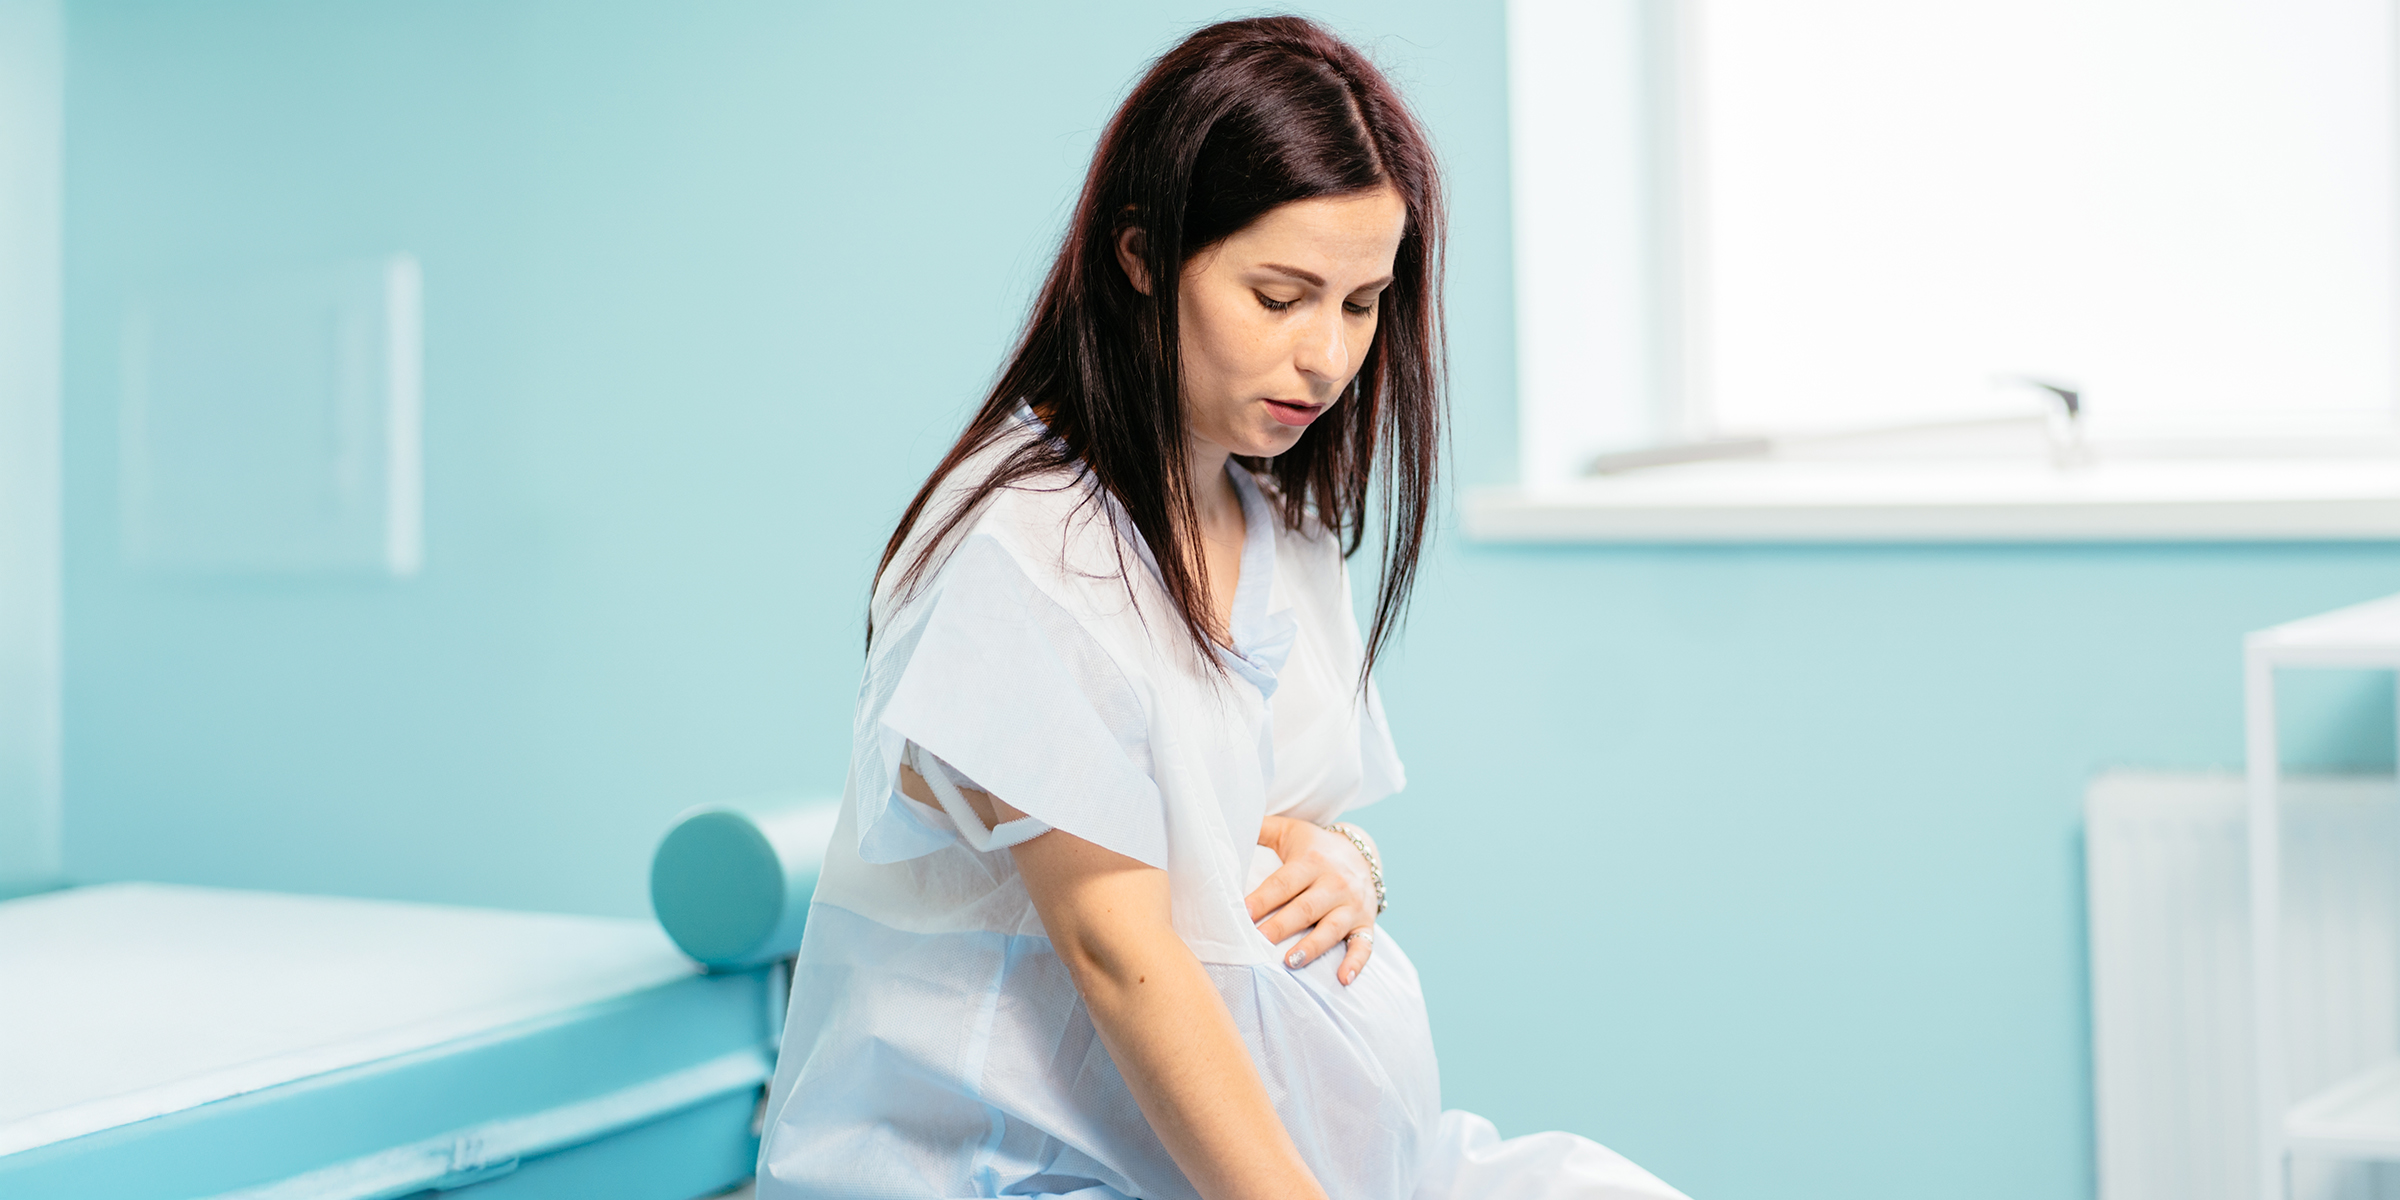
(1262, 640)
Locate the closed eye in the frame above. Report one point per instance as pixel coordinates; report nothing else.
(1353, 307)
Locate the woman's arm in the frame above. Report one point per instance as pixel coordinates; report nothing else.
(1162, 1020)
(1164, 1024)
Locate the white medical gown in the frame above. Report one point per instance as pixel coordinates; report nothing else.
(936, 1047)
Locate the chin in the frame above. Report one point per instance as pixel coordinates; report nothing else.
(1272, 442)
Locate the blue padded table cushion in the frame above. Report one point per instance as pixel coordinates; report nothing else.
(731, 883)
(162, 1041)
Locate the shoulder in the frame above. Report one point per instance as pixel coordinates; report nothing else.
(1310, 557)
(1050, 526)
(1315, 554)
(1312, 579)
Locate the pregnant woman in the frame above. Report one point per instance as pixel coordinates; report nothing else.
(1089, 926)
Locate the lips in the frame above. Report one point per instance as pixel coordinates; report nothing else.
(1293, 412)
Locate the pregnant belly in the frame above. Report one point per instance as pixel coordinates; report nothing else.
(1351, 1067)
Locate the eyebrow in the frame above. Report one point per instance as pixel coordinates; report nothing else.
(1315, 280)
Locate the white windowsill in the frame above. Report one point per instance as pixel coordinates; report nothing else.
(1966, 500)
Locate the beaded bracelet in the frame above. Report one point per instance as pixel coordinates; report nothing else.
(1374, 864)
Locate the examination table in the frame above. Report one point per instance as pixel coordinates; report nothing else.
(162, 1041)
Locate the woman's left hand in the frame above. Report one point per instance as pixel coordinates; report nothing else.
(1323, 882)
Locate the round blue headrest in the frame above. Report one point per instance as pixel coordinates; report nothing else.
(731, 882)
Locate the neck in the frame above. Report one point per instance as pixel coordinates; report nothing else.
(1212, 488)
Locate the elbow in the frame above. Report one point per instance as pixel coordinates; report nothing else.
(1094, 957)
(1109, 917)
(1109, 967)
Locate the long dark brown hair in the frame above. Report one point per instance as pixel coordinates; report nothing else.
(1240, 117)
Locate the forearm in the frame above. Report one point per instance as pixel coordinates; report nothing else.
(1167, 1029)
(1162, 1020)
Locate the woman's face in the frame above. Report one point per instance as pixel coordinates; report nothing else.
(1278, 317)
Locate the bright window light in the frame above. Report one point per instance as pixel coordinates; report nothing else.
(2184, 209)
(1743, 217)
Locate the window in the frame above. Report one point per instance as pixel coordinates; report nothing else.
(1756, 225)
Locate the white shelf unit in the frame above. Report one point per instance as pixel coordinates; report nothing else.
(2359, 1117)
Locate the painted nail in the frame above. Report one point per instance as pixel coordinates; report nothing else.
(1294, 959)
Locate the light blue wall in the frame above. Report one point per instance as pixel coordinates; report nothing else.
(32, 87)
(1759, 863)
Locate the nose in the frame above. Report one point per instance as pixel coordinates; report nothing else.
(1323, 350)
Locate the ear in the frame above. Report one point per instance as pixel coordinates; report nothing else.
(1131, 242)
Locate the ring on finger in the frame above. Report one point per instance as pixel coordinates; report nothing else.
(1362, 936)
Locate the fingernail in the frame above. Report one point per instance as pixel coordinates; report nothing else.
(1347, 977)
(1293, 959)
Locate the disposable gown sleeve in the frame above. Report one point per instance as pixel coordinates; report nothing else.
(997, 680)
